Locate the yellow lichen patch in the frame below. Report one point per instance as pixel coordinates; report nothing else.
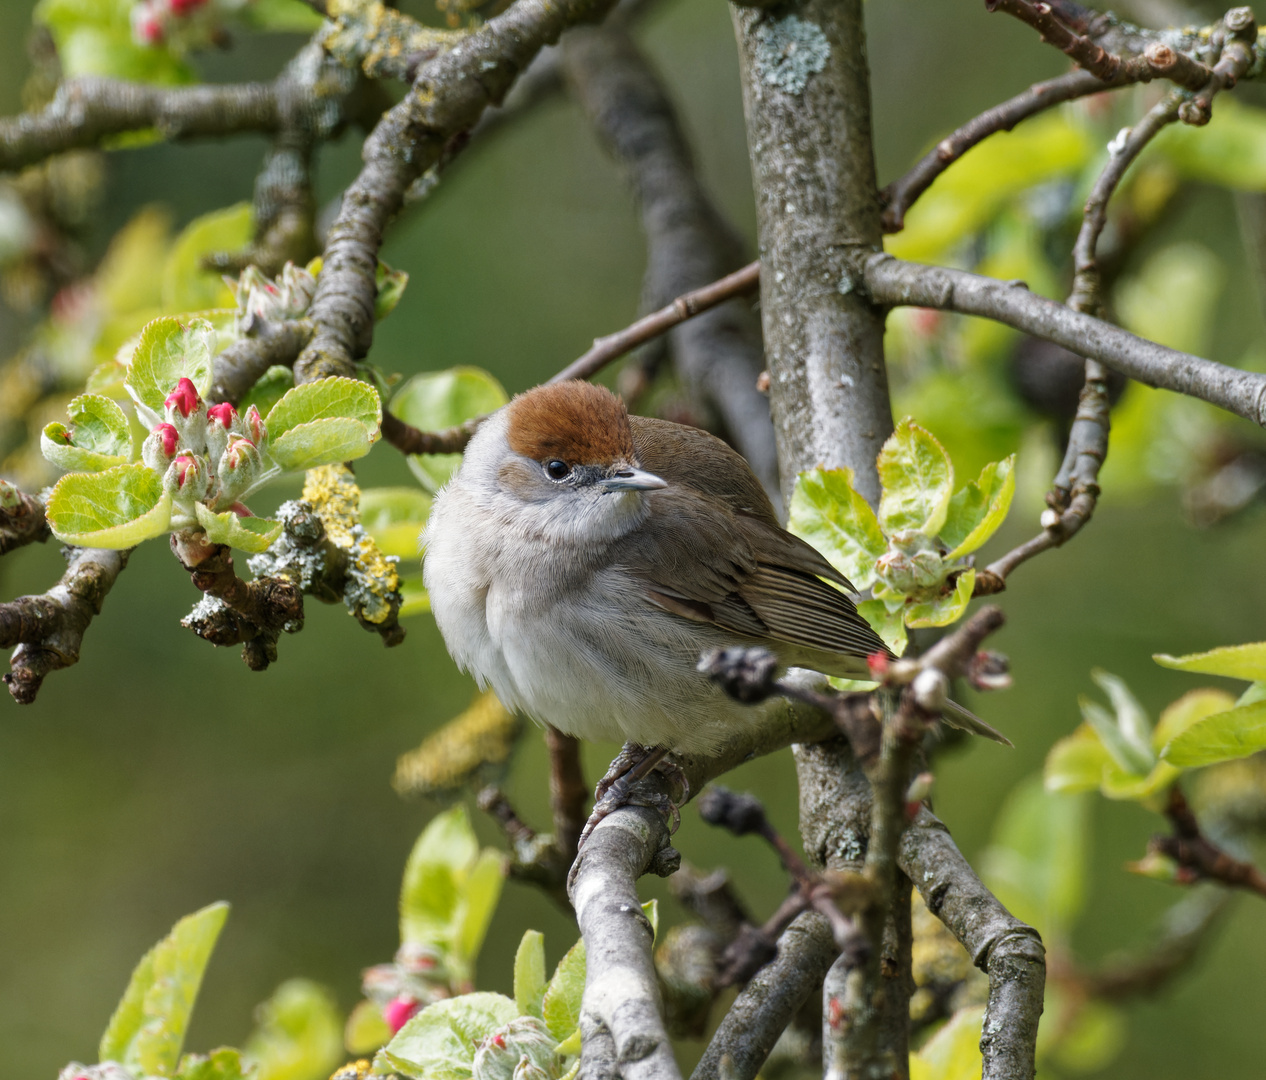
(483, 735)
(944, 975)
(373, 584)
(381, 39)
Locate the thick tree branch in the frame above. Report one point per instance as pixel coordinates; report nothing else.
(48, 629)
(894, 282)
(447, 98)
(244, 362)
(22, 519)
(689, 244)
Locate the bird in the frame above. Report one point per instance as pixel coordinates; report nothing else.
(582, 559)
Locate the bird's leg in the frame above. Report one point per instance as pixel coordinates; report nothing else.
(632, 764)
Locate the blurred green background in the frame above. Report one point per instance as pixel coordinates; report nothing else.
(160, 774)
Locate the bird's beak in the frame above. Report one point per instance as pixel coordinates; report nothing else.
(632, 480)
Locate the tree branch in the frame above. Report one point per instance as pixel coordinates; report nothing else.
(22, 519)
(568, 795)
(244, 362)
(447, 98)
(1200, 857)
(894, 282)
(48, 629)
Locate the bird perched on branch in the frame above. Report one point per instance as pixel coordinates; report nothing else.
(582, 559)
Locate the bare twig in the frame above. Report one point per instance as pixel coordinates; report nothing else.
(613, 346)
(1200, 857)
(892, 281)
(48, 629)
(568, 793)
(1239, 30)
(1083, 50)
(409, 440)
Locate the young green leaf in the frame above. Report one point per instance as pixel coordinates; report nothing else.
(1076, 762)
(391, 285)
(148, 1027)
(480, 889)
(529, 973)
(1191, 708)
(322, 442)
(324, 399)
(440, 1042)
(943, 610)
(222, 1064)
(976, 512)
(953, 1053)
(1132, 718)
(917, 479)
(889, 625)
(828, 513)
(187, 284)
(366, 1029)
(99, 436)
(441, 399)
(1224, 736)
(560, 1007)
(439, 861)
(298, 1033)
(1232, 661)
(1129, 756)
(253, 534)
(114, 509)
(394, 517)
(168, 350)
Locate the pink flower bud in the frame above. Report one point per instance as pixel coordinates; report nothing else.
(878, 664)
(184, 7)
(253, 424)
(168, 437)
(223, 414)
(186, 469)
(398, 1012)
(184, 398)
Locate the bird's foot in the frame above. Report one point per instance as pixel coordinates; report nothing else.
(615, 789)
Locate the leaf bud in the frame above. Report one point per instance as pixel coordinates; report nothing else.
(521, 1050)
(160, 446)
(188, 477)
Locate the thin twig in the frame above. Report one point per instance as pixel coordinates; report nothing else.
(613, 346)
(409, 440)
(1082, 49)
(568, 794)
(1198, 855)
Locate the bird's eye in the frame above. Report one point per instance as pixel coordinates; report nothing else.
(557, 470)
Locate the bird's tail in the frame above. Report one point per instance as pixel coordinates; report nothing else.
(966, 720)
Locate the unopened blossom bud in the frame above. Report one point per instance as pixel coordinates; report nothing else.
(222, 422)
(188, 477)
(147, 25)
(160, 446)
(186, 413)
(521, 1050)
(239, 467)
(399, 1011)
(253, 428)
(185, 7)
(184, 398)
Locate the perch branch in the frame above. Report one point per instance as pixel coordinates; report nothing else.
(894, 282)
(48, 629)
(244, 362)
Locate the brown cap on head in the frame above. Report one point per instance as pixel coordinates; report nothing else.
(575, 421)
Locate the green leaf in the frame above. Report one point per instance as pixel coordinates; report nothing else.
(366, 1029)
(944, 609)
(269, 389)
(391, 285)
(1037, 861)
(529, 973)
(953, 1053)
(439, 1043)
(394, 517)
(438, 400)
(1132, 718)
(322, 442)
(1128, 757)
(222, 1064)
(560, 1007)
(828, 513)
(480, 891)
(1225, 736)
(439, 861)
(324, 399)
(106, 51)
(298, 1033)
(187, 286)
(99, 436)
(114, 509)
(1233, 661)
(918, 481)
(1230, 150)
(1076, 762)
(1191, 708)
(170, 349)
(253, 534)
(148, 1027)
(976, 512)
(889, 625)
